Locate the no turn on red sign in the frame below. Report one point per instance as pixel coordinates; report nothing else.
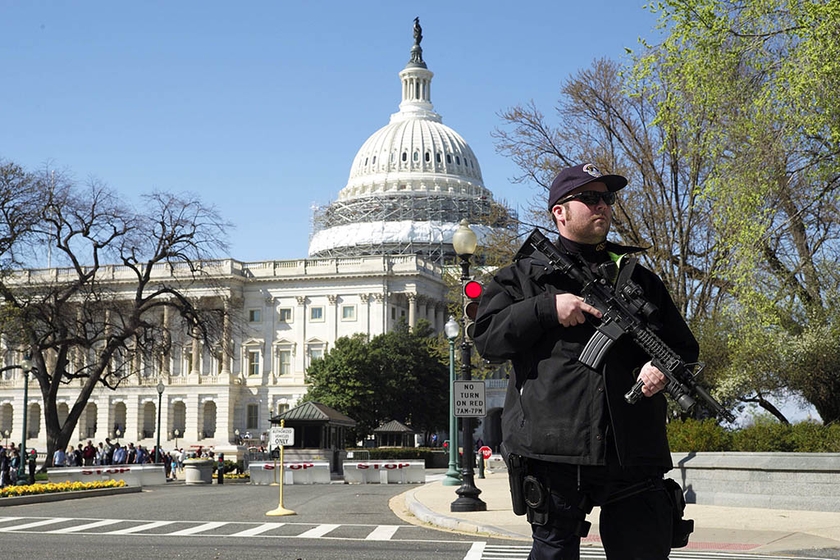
(469, 399)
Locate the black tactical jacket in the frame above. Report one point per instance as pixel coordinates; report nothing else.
(556, 408)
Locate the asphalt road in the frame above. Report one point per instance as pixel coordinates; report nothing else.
(332, 522)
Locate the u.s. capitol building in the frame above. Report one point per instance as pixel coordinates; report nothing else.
(377, 256)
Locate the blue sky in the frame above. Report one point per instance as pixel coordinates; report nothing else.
(260, 107)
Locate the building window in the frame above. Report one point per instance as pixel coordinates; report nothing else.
(416, 156)
(316, 314)
(282, 407)
(253, 421)
(316, 353)
(286, 315)
(405, 156)
(285, 359)
(458, 160)
(437, 157)
(393, 313)
(253, 357)
(348, 312)
(254, 316)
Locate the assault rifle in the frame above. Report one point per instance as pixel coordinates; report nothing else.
(627, 312)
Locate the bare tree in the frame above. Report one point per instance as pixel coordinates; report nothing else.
(604, 119)
(94, 319)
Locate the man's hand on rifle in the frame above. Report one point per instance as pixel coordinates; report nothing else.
(570, 309)
(653, 379)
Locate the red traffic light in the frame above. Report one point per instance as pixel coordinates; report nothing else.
(473, 289)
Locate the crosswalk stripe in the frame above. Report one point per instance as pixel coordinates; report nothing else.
(476, 551)
(86, 526)
(382, 533)
(258, 530)
(318, 531)
(197, 529)
(35, 524)
(138, 528)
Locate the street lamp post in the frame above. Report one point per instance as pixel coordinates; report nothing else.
(26, 365)
(177, 433)
(160, 388)
(465, 242)
(451, 329)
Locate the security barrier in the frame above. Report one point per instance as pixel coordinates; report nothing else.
(385, 472)
(133, 475)
(296, 472)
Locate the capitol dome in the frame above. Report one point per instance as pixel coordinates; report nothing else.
(410, 184)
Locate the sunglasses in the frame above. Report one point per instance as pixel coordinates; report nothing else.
(591, 198)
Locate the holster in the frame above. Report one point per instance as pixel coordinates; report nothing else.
(516, 477)
(682, 528)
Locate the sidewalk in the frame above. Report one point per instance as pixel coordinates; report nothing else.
(717, 528)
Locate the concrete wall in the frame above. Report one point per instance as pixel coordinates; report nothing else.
(799, 481)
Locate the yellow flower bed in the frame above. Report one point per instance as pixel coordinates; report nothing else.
(52, 487)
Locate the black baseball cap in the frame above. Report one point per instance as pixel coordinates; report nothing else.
(573, 177)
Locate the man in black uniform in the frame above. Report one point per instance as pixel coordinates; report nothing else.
(579, 443)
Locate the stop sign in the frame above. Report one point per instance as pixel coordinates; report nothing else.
(485, 451)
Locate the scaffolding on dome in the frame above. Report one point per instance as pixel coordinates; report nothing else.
(417, 208)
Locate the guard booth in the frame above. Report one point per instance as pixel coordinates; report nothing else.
(319, 434)
(394, 434)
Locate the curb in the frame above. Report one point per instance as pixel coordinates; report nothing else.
(61, 496)
(426, 515)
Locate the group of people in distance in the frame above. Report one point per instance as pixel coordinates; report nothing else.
(112, 453)
(9, 465)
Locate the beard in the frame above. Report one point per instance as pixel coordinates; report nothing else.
(586, 226)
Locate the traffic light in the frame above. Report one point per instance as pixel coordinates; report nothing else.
(472, 293)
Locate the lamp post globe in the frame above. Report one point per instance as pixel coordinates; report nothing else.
(464, 240)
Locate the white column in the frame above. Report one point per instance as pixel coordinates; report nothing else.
(103, 418)
(300, 357)
(166, 362)
(132, 419)
(412, 309)
(227, 341)
(192, 429)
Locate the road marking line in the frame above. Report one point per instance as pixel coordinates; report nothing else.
(197, 529)
(382, 533)
(476, 551)
(35, 524)
(86, 526)
(139, 528)
(258, 530)
(318, 531)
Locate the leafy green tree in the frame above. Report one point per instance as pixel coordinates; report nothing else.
(765, 74)
(398, 375)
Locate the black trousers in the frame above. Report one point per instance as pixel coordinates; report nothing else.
(635, 527)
